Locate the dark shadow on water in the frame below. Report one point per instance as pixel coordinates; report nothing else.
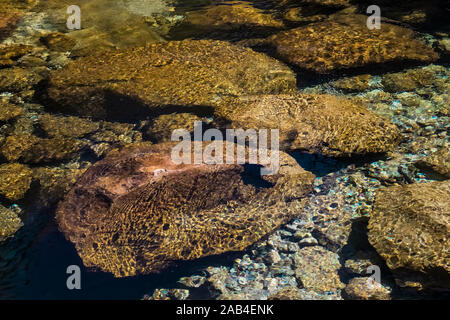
(33, 266)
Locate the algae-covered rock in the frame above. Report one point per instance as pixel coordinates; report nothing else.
(27, 148)
(162, 127)
(15, 180)
(409, 80)
(17, 79)
(438, 162)
(317, 269)
(125, 83)
(410, 228)
(288, 293)
(105, 24)
(136, 211)
(9, 54)
(344, 41)
(55, 182)
(58, 41)
(9, 223)
(362, 288)
(9, 111)
(353, 84)
(226, 17)
(323, 124)
(73, 127)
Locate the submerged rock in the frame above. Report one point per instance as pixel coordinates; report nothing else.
(323, 124)
(438, 162)
(9, 111)
(162, 127)
(136, 211)
(15, 180)
(220, 19)
(18, 79)
(27, 148)
(55, 182)
(9, 223)
(362, 288)
(73, 127)
(317, 269)
(345, 42)
(409, 80)
(289, 293)
(409, 227)
(9, 54)
(125, 83)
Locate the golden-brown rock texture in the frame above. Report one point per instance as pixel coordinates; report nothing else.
(228, 16)
(438, 162)
(323, 124)
(9, 223)
(410, 228)
(178, 73)
(345, 42)
(363, 288)
(15, 180)
(135, 212)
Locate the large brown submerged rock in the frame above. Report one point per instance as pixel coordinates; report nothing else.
(179, 73)
(137, 211)
(410, 228)
(323, 124)
(344, 41)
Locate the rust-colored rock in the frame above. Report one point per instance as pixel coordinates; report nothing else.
(323, 124)
(135, 212)
(344, 41)
(178, 73)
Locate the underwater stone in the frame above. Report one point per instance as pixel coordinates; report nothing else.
(317, 269)
(362, 288)
(194, 73)
(288, 293)
(9, 223)
(27, 148)
(73, 127)
(439, 162)
(57, 41)
(226, 17)
(162, 127)
(9, 111)
(15, 180)
(135, 212)
(410, 227)
(9, 54)
(17, 79)
(325, 124)
(55, 182)
(345, 42)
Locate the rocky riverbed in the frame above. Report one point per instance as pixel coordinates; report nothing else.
(86, 177)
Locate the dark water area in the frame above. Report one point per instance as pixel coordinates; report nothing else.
(35, 262)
